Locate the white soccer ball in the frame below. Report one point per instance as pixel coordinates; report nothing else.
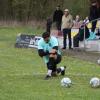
(95, 82)
(98, 61)
(66, 82)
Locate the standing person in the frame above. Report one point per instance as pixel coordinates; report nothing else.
(49, 24)
(98, 6)
(57, 17)
(80, 36)
(93, 14)
(77, 22)
(67, 23)
(49, 50)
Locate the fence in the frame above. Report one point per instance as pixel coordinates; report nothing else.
(85, 41)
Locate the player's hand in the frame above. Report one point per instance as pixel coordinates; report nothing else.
(53, 51)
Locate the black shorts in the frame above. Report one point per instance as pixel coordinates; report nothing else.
(52, 65)
(58, 60)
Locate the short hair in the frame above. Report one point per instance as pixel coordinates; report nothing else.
(66, 10)
(58, 5)
(45, 35)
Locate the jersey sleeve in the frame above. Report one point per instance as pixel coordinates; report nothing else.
(40, 45)
(55, 42)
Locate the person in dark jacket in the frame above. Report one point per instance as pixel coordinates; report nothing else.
(93, 14)
(57, 17)
(80, 36)
(49, 24)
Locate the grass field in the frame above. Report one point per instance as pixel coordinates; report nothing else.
(22, 73)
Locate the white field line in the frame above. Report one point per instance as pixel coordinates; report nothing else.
(36, 74)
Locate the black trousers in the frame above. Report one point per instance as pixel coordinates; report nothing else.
(52, 64)
(80, 36)
(65, 33)
(94, 25)
(58, 25)
(48, 28)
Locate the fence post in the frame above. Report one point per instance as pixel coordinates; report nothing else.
(84, 39)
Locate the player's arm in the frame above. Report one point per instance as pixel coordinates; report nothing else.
(55, 44)
(54, 50)
(55, 47)
(42, 53)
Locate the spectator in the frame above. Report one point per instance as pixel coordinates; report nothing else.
(98, 29)
(77, 22)
(57, 17)
(49, 50)
(98, 6)
(93, 14)
(48, 24)
(80, 35)
(67, 23)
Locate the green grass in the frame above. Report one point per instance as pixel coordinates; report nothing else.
(22, 73)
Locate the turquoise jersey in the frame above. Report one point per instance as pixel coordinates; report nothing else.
(48, 46)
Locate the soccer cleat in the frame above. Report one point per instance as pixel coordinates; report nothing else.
(70, 48)
(64, 48)
(47, 77)
(53, 74)
(63, 70)
(58, 70)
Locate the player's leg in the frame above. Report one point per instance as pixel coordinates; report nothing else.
(62, 68)
(51, 66)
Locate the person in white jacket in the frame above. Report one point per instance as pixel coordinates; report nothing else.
(67, 23)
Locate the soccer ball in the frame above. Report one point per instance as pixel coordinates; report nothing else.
(98, 61)
(66, 82)
(95, 82)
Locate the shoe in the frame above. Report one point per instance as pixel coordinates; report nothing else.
(70, 48)
(53, 74)
(58, 70)
(63, 48)
(47, 77)
(63, 71)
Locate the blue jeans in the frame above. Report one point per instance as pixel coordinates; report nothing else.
(65, 33)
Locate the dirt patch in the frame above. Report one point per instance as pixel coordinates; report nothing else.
(83, 55)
